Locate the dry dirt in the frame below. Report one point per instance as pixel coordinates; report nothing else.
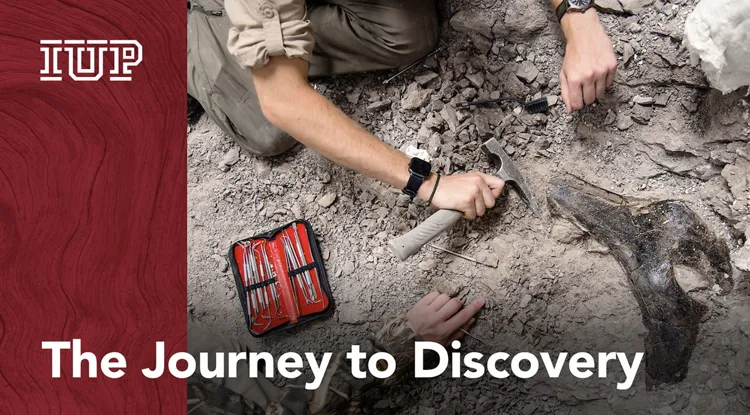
(552, 290)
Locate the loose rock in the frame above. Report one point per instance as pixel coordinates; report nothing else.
(447, 287)
(609, 6)
(643, 100)
(624, 122)
(477, 79)
(379, 105)
(716, 35)
(327, 200)
(230, 159)
(627, 53)
(635, 6)
(661, 100)
(473, 21)
(451, 118)
(527, 72)
(427, 265)
(523, 19)
(415, 97)
(425, 78)
(641, 114)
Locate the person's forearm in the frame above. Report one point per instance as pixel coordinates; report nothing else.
(296, 108)
(572, 21)
(317, 123)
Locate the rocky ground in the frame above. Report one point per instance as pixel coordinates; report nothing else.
(661, 133)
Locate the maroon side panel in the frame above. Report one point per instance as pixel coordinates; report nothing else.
(92, 207)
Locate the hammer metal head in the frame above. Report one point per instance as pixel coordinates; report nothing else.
(509, 173)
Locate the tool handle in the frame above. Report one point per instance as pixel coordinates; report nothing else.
(407, 244)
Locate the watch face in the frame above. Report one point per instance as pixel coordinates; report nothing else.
(420, 167)
(579, 3)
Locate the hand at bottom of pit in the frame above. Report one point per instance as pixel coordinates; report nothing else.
(439, 318)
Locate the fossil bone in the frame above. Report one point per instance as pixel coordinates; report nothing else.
(648, 240)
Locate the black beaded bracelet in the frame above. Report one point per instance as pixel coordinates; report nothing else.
(434, 189)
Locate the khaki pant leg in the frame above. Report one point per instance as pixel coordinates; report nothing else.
(201, 339)
(223, 87)
(367, 35)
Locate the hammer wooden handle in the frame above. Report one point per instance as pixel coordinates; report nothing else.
(407, 244)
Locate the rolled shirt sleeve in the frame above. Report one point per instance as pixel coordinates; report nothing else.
(265, 28)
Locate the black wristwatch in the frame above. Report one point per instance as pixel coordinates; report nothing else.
(572, 5)
(419, 170)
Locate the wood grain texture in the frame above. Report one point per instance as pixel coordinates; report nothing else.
(92, 208)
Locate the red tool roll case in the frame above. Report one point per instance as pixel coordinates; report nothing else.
(280, 277)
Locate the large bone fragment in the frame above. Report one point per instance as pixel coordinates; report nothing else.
(648, 240)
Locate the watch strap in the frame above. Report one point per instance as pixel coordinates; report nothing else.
(412, 186)
(562, 8)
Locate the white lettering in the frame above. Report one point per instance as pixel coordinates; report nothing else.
(158, 370)
(630, 369)
(318, 370)
(581, 361)
(515, 365)
(356, 357)
(108, 364)
(554, 370)
(175, 359)
(289, 361)
(56, 347)
(419, 371)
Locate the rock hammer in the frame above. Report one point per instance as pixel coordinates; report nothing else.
(407, 244)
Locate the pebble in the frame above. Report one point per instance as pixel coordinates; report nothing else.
(527, 72)
(379, 105)
(552, 100)
(353, 98)
(641, 114)
(476, 79)
(327, 200)
(230, 158)
(661, 100)
(447, 287)
(643, 100)
(414, 97)
(624, 122)
(425, 78)
(296, 211)
(451, 118)
(610, 6)
(627, 53)
(427, 265)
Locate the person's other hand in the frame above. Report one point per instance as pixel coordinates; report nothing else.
(439, 318)
(471, 193)
(590, 63)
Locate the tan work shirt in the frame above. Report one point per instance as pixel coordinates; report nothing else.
(265, 28)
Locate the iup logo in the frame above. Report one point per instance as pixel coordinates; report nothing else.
(86, 59)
